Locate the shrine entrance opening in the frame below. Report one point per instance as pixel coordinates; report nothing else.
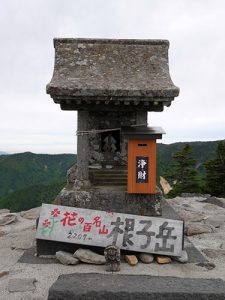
(110, 141)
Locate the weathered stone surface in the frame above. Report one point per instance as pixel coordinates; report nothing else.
(89, 257)
(79, 73)
(198, 228)
(216, 201)
(207, 265)
(133, 287)
(183, 258)
(191, 216)
(21, 284)
(112, 199)
(210, 207)
(146, 258)
(71, 174)
(66, 258)
(214, 253)
(4, 211)
(131, 260)
(163, 259)
(7, 219)
(31, 214)
(217, 222)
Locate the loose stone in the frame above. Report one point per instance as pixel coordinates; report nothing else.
(194, 229)
(31, 214)
(183, 258)
(66, 258)
(207, 265)
(163, 259)
(4, 273)
(146, 258)
(131, 260)
(90, 257)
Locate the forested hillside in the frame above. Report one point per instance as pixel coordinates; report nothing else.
(27, 179)
(202, 152)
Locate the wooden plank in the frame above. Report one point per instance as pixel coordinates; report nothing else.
(101, 228)
(147, 150)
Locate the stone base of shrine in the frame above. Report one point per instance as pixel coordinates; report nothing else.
(112, 199)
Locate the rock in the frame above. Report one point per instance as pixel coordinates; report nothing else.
(193, 229)
(2, 232)
(95, 166)
(66, 258)
(90, 257)
(191, 216)
(183, 258)
(186, 205)
(4, 211)
(4, 273)
(131, 260)
(213, 253)
(109, 167)
(72, 174)
(7, 219)
(21, 284)
(217, 222)
(207, 265)
(31, 214)
(216, 201)
(210, 206)
(163, 259)
(146, 258)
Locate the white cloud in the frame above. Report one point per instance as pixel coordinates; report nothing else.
(30, 121)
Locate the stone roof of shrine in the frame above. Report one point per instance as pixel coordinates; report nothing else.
(93, 74)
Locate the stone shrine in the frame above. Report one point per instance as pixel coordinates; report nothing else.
(112, 84)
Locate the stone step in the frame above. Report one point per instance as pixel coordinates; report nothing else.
(108, 183)
(110, 287)
(110, 177)
(108, 173)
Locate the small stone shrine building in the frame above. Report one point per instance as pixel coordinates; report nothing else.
(112, 84)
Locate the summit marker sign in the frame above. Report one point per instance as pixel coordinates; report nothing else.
(101, 228)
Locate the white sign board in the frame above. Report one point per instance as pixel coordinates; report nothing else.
(101, 228)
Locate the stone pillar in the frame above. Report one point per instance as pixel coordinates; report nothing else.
(82, 147)
(141, 117)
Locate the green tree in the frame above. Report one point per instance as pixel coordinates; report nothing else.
(215, 172)
(183, 175)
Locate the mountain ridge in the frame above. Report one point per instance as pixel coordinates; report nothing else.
(46, 173)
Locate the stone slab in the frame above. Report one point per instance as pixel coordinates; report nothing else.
(112, 199)
(114, 286)
(100, 228)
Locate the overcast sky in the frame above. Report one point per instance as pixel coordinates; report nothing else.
(31, 121)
